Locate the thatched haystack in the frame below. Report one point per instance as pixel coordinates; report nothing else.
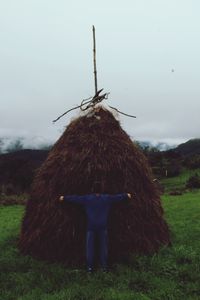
(93, 154)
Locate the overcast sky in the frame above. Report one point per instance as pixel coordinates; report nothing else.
(148, 58)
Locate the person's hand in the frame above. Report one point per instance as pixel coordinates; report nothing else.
(61, 198)
(129, 195)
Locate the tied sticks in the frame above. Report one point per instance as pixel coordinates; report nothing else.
(93, 101)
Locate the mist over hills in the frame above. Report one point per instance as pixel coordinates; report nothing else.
(11, 144)
(157, 145)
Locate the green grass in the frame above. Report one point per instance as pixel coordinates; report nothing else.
(178, 182)
(174, 273)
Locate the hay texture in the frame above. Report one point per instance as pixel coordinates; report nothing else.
(94, 154)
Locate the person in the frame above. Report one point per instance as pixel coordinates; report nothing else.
(97, 207)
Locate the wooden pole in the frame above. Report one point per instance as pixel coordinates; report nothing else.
(94, 60)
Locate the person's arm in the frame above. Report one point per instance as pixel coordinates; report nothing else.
(74, 199)
(118, 197)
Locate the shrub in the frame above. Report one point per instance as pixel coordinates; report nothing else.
(193, 182)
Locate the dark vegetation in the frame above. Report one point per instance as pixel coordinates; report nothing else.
(17, 170)
(193, 182)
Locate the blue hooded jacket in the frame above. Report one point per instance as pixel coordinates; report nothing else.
(97, 207)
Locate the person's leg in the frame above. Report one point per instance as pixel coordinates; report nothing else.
(90, 250)
(103, 248)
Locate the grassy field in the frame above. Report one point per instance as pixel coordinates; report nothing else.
(178, 182)
(172, 274)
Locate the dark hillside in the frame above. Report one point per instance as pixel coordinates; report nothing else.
(17, 169)
(191, 147)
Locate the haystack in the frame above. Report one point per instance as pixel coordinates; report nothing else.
(94, 153)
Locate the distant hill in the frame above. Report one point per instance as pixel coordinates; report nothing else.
(25, 155)
(190, 148)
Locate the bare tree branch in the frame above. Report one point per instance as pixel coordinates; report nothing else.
(92, 101)
(91, 104)
(79, 106)
(121, 112)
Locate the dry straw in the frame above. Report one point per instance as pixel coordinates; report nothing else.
(93, 154)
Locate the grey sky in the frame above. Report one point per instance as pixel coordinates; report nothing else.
(46, 64)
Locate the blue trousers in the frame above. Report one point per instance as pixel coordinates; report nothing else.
(102, 236)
